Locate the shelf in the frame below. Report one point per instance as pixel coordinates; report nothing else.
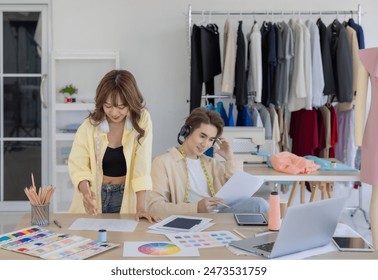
(74, 106)
(61, 168)
(60, 136)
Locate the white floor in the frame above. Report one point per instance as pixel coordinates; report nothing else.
(9, 220)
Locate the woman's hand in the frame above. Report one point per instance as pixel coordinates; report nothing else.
(141, 213)
(89, 198)
(208, 204)
(223, 148)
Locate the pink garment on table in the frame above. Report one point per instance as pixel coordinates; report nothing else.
(287, 162)
(369, 151)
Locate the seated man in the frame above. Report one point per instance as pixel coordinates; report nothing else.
(185, 180)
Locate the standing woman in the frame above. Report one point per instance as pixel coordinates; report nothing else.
(110, 159)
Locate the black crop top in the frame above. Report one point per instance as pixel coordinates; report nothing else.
(114, 162)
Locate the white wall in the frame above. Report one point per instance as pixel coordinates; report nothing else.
(153, 42)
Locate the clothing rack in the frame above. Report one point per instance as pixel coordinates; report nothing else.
(211, 13)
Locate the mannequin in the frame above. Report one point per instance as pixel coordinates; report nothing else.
(366, 137)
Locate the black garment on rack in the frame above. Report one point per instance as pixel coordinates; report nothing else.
(269, 61)
(195, 68)
(329, 80)
(205, 62)
(240, 90)
(341, 61)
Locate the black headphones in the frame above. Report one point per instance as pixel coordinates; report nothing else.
(184, 132)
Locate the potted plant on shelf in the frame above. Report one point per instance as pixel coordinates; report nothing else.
(69, 91)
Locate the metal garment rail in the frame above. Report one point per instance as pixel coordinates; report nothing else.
(210, 13)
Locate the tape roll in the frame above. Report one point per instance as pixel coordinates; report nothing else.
(102, 235)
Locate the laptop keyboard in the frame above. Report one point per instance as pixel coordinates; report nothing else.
(265, 247)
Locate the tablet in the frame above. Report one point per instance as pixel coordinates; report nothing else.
(352, 244)
(251, 219)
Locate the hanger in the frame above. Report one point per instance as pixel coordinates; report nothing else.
(203, 20)
(208, 21)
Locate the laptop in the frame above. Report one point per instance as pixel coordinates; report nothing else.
(304, 227)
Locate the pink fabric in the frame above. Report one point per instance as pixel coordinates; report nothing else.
(287, 162)
(369, 151)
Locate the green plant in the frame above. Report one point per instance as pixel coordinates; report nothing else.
(70, 89)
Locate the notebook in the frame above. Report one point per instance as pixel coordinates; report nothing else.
(305, 226)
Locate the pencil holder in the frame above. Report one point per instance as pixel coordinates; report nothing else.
(274, 212)
(40, 214)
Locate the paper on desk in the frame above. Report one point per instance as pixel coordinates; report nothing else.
(108, 224)
(239, 187)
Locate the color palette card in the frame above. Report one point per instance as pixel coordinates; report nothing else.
(40, 242)
(80, 251)
(23, 236)
(156, 249)
(202, 239)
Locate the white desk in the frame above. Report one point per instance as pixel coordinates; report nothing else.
(321, 179)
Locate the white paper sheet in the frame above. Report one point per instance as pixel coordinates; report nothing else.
(239, 187)
(108, 224)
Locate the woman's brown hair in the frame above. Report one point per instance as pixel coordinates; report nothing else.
(123, 84)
